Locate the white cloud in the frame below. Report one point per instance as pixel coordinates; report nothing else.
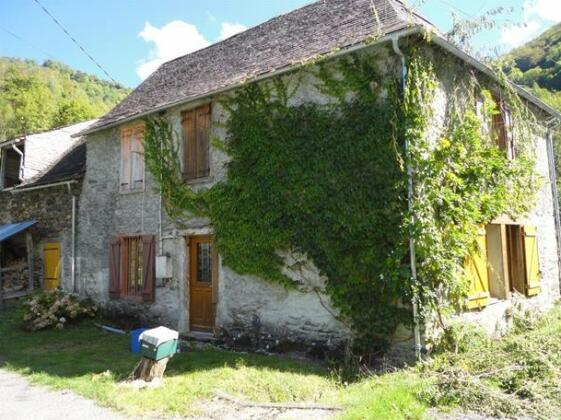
(228, 29)
(516, 35)
(547, 10)
(537, 16)
(172, 40)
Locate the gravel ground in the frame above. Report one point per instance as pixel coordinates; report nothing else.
(19, 400)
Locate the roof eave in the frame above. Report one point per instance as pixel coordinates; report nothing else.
(356, 47)
(451, 48)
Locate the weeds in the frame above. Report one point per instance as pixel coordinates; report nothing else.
(518, 375)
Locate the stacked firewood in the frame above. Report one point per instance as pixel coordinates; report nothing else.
(15, 275)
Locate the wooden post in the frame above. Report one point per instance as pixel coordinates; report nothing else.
(30, 271)
(148, 370)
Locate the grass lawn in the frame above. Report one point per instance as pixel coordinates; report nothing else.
(91, 363)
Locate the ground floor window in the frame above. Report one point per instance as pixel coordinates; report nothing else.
(505, 262)
(131, 267)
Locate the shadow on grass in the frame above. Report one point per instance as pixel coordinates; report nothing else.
(82, 349)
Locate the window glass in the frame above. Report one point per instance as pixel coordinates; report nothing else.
(204, 263)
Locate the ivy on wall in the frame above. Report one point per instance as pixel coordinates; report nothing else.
(330, 181)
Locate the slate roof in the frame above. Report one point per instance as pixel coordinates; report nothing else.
(315, 29)
(71, 166)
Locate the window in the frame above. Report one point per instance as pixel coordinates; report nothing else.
(131, 267)
(501, 127)
(132, 158)
(506, 261)
(195, 133)
(11, 165)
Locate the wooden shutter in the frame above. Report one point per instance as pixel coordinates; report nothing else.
(189, 145)
(125, 159)
(475, 268)
(203, 133)
(137, 158)
(531, 258)
(149, 254)
(196, 144)
(508, 131)
(115, 268)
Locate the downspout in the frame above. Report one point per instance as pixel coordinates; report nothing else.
(73, 261)
(412, 255)
(554, 191)
(22, 162)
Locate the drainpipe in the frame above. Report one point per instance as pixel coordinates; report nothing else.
(551, 124)
(73, 245)
(412, 255)
(22, 163)
(73, 261)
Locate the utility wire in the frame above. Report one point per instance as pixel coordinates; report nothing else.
(74, 40)
(19, 38)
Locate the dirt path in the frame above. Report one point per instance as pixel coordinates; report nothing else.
(19, 400)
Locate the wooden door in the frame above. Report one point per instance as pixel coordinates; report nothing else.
(202, 279)
(51, 265)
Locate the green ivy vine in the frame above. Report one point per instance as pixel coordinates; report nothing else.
(329, 181)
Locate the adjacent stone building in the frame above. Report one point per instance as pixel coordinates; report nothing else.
(138, 262)
(41, 176)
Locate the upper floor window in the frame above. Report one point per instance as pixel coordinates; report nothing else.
(501, 127)
(132, 158)
(12, 165)
(195, 134)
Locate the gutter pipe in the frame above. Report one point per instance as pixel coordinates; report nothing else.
(412, 254)
(551, 124)
(22, 163)
(73, 244)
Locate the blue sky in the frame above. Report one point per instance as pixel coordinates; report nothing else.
(130, 38)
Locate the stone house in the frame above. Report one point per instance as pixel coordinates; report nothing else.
(136, 260)
(40, 181)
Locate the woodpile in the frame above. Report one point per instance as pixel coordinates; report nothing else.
(15, 276)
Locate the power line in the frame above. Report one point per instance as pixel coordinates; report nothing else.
(16, 36)
(453, 7)
(74, 40)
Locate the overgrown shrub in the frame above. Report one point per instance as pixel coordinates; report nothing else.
(55, 308)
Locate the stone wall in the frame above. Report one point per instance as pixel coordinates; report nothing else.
(52, 208)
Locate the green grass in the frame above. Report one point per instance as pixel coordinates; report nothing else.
(92, 363)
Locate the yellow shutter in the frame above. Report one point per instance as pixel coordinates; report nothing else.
(51, 265)
(531, 261)
(475, 268)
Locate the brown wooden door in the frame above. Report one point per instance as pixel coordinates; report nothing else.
(202, 275)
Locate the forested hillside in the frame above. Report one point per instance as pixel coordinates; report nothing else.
(35, 97)
(537, 65)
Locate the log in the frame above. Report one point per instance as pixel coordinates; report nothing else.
(148, 369)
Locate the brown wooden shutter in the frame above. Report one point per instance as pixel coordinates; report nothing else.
(115, 268)
(125, 159)
(149, 253)
(203, 134)
(189, 145)
(508, 131)
(137, 158)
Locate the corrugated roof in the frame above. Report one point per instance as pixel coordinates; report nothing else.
(316, 29)
(11, 229)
